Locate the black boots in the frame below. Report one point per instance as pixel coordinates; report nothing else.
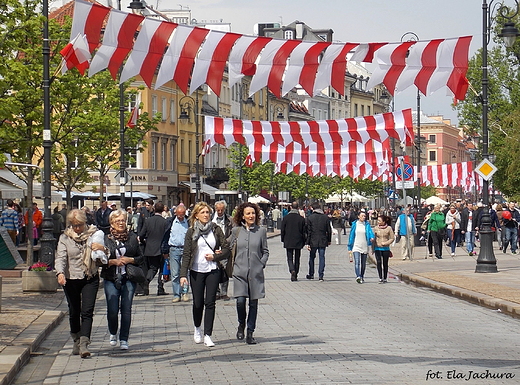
(240, 332)
(249, 338)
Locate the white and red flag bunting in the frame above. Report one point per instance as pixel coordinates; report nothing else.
(192, 54)
(75, 55)
(118, 41)
(357, 147)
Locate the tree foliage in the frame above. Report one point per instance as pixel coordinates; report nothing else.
(262, 177)
(85, 110)
(503, 112)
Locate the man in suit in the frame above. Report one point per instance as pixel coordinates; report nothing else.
(101, 218)
(152, 235)
(319, 235)
(293, 237)
(224, 222)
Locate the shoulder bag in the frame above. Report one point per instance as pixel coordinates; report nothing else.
(135, 273)
(223, 276)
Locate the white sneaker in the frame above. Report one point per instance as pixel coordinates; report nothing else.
(113, 340)
(123, 345)
(197, 335)
(208, 342)
(452, 254)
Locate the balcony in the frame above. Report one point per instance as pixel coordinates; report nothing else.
(216, 176)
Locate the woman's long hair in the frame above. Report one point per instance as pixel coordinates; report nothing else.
(239, 214)
(197, 209)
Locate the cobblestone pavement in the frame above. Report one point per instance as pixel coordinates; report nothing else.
(308, 332)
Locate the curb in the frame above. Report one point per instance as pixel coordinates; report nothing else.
(15, 356)
(509, 308)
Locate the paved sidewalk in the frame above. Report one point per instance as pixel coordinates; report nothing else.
(27, 319)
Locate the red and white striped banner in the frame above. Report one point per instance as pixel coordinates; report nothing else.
(198, 55)
(357, 147)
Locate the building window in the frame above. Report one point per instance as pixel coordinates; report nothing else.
(154, 106)
(368, 111)
(432, 156)
(164, 109)
(362, 110)
(433, 139)
(183, 154)
(355, 110)
(289, 35)
(163, 155)
(154, 156)
(131, 153)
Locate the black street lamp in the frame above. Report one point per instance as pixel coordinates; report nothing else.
(47, 239)
(486, 261)
(187, 105)
(134, 5)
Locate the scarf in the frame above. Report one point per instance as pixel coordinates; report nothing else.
(201, 229)
(383, 227)
(119, 236)
(89, 266)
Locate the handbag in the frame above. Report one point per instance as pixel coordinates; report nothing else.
(135, 273)
(391, 255)
(166, 273)
(397, 238)
(223, 277)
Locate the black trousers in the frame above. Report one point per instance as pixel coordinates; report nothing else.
(293, 259)
(81, 296)
(437, 239)
(155, 264)
(204, 290)
(382, 263)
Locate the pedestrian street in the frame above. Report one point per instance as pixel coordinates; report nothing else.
(308, 332)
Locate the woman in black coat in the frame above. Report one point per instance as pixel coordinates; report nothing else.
(293, 237)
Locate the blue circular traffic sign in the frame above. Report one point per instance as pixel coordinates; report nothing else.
(408, 172)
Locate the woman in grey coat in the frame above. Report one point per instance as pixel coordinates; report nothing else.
(248, 267)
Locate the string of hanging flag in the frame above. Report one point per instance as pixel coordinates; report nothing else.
(192, 56)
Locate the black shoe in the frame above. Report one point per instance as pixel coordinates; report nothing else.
(250, 339)
(293, 276)
(439, 257)
(162, 293)
(308, 276)
(240, 332)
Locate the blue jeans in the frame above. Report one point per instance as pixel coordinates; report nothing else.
(470, 241)
(360, 263)
(454, 240)
(511, 237)
(175, 268)
(115, 298)
(251, 317)
(321, 264)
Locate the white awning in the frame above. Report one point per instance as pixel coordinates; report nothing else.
(204, 188)
(8, 191)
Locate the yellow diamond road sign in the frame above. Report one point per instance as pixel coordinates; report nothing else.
(486, 169)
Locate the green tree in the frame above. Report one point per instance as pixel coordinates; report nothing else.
(504, 109)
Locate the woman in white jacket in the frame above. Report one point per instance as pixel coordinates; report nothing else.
(453, 227)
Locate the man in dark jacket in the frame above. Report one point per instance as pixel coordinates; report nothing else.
(293, 237)
(101, 218)
(225, 223)
(152, 234)
(319, 235)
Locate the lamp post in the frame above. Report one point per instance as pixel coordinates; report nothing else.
(188, 104)
(486, 262)
(134, 5)
(419, 218)
(248, 102)
(47, 239)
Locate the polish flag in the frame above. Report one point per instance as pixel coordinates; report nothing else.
(88, 20)
(76, 55)
(132, 122)
(206, 148)
(248, 162)
(118, 41)
(148, 50)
